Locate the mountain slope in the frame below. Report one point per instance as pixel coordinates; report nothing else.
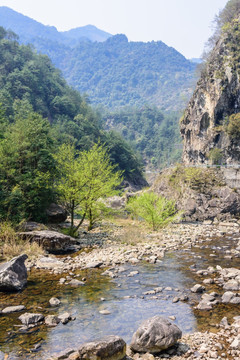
(114, 72)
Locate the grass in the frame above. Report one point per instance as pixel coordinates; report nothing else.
(12, 245)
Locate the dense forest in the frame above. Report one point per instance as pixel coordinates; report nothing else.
(38, 113)
(114, 72)
(153, 133)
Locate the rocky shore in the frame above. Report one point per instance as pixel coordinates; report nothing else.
(109, 251)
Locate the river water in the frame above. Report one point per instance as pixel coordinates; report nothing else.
(123, 297)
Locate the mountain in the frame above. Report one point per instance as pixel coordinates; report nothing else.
(88, 32)
(30, 82)
(114, 72)
(28, 30)
(210, 125)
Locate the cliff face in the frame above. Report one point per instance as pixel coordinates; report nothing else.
(205, 123)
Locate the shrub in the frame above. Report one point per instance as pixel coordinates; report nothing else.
(215, 155)
(233, 127)
(156, 210)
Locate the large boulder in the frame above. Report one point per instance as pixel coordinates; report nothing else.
(109, 348)
(56, 213)
(154, 335)
(13, 274)
(51, 241)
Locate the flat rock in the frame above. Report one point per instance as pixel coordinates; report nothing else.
(108, 348)
(154, 335)
(12, 309)
(93, 265)
(51, 241)
(197, 288)
(13, 274)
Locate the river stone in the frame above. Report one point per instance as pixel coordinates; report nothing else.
(29, 318)
(65, 317)
(12, 309)
(13, 274)
(197, 288)
(109, 348)
(54, 301)
(52, 320)
(232, 285)
(154, 335)
(227, 297)
(51, 241)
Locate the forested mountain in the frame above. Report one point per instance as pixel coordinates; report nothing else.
(29, 81)
(114, 72)
(153, 133)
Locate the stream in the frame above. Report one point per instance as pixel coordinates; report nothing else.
(122, 296)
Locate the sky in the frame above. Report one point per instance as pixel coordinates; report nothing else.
(183, 24)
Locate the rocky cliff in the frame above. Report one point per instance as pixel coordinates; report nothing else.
(210, 126)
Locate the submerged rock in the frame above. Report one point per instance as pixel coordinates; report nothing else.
(108, 348)
(154, 335)
(13, 274)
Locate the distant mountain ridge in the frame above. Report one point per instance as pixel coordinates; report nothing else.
(111, 70)
(28, 29)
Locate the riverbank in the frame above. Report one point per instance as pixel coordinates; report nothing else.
(122, 269)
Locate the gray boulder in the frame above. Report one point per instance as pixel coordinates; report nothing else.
(51, 241)
(154, 335)
(13, 274)
(56, 213)
(30, 319)
(108, 348)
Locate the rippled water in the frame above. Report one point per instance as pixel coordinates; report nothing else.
(123, 298)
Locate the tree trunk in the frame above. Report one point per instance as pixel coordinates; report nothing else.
(90, 226)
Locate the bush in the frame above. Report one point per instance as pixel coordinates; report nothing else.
(156, 210)
(233, 128)
(215, 155)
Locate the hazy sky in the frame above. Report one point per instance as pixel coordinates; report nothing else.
(183, 24)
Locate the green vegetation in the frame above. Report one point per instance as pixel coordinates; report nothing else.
(194, 178)
(233, 127)
(156, 210)
(85, 179)
(39, 113)
(215, 155)
(151, 132)
(115, 72)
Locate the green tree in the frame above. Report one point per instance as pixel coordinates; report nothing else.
(156, 210)
(26, 166)
(85, 179)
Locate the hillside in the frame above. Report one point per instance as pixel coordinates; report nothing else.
(114, 72)
(29, 81)
(153, 133)
(211, 123)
